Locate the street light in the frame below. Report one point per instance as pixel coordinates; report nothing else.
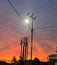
(26, 21)
(31, 29)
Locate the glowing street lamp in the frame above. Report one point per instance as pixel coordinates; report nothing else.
(26, 21)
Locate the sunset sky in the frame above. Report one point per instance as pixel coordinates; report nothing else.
(12, 28)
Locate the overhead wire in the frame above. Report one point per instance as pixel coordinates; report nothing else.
(46, 12)
(15, 10)
(44, 8)
(19, 14)
(22, 18)
(45, 30)
(8, 32)
(11, 5)
(39, 32)
(48, 27)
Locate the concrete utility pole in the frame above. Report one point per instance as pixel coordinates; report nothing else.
(32, 18)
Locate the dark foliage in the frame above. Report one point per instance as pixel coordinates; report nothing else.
(36, 61)
(4, 63)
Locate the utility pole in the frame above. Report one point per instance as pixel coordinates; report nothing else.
(32, 18)
(24, 48)
(56, 50)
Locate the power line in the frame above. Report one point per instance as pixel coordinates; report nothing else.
(46, 12)
(15, 10)
(45, 31)
(48, 6)
(21, 17)
(44, 5)
(36, 28)
(7, 46)
(44, 8)
(8, 29)
(47, 27)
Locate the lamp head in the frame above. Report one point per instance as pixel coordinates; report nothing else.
(26, 21)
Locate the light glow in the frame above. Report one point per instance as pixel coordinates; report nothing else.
(26, 21)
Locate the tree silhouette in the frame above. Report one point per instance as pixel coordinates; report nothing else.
(14, 61)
